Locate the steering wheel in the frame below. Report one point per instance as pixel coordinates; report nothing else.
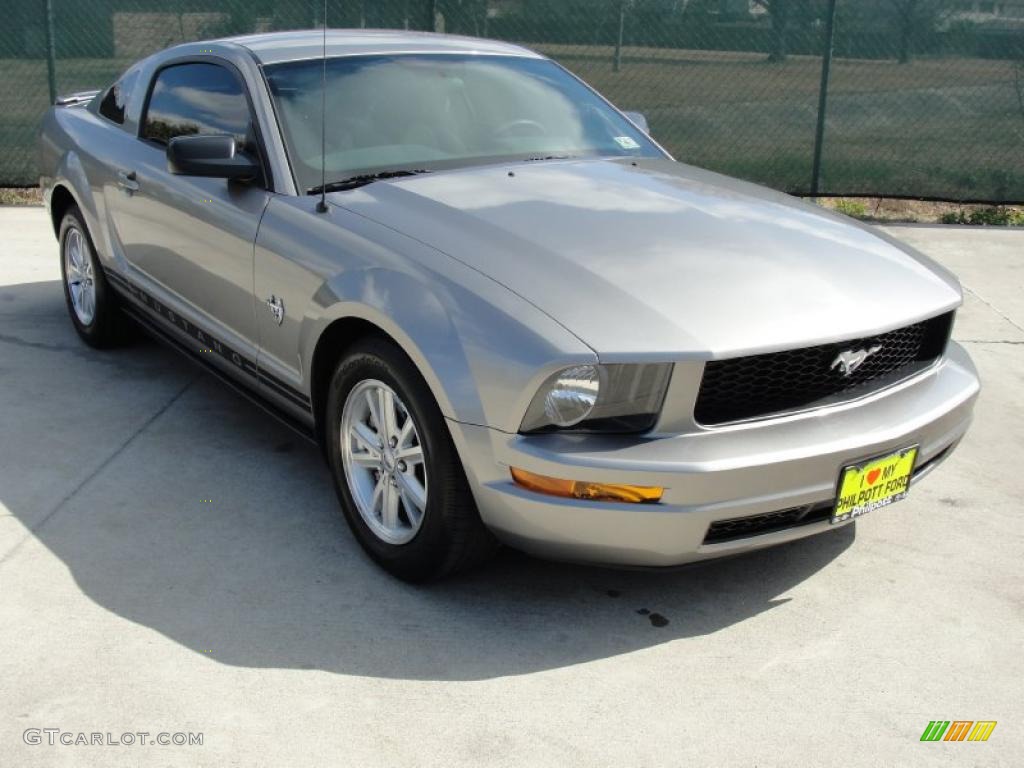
(522, 127)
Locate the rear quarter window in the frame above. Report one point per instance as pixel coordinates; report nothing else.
(115, 99)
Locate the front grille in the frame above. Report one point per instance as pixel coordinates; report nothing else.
(780, 382)
(756, 525)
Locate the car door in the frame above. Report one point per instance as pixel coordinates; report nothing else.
(189, 240)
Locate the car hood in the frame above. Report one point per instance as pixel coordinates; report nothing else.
(658, 259)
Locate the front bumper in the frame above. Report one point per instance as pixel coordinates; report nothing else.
(709, 475)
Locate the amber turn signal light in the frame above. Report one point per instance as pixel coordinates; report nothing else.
(577, 489)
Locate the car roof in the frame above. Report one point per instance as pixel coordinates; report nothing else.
(275, 47)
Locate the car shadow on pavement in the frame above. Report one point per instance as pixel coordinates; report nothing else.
(206, 521)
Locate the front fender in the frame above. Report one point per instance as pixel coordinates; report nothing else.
(414, 318)
(482, 349)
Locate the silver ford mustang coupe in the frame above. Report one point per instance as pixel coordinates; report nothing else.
(503, 311)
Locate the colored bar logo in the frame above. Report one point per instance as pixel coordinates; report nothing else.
(958, 730)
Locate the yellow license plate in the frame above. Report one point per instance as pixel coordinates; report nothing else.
(874, 483)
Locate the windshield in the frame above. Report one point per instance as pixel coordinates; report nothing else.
(435, 111)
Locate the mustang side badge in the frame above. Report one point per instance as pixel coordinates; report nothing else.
(276, 308)
(849, 361)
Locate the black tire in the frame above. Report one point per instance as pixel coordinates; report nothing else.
(451, 537)
(108, 327)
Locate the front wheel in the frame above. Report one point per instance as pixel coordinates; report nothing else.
(396, 471)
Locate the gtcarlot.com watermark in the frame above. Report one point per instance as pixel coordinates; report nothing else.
(56, 736)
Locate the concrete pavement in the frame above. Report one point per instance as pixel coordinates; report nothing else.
(172, 560)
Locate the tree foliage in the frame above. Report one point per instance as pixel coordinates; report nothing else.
(914, 17)
(786, 15)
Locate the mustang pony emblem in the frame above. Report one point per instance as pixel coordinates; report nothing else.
(849, 361)
(276, 308)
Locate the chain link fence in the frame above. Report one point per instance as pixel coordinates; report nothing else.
(923, 98)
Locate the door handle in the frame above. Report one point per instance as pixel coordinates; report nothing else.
(126, 180)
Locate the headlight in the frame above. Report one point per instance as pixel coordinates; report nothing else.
(572, 395)
(599, 398)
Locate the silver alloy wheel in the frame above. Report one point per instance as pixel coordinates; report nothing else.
(384, 462)
(79, 275)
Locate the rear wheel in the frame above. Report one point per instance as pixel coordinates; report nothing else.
(91, 303)
(396, 471)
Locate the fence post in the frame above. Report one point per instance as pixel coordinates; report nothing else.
(617, 60)
(51, 53)
(826, 73)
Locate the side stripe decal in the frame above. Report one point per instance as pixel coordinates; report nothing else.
(210, 342)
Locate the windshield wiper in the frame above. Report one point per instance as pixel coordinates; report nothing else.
(362, 180)
(539, 158)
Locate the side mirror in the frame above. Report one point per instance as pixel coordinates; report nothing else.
(213, 156)
(639, 121)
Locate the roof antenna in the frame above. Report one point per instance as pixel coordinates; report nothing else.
(321, 207)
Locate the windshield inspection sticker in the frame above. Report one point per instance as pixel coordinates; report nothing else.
(626, 143)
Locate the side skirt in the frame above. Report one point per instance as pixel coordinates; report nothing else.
(154, 330)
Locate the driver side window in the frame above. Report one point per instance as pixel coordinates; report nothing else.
(198, 99)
